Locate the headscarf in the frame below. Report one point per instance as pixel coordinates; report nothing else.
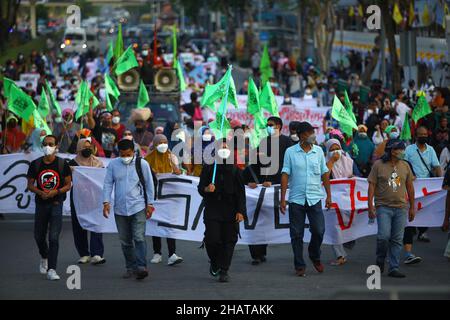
(92, 161)
(35, 140)
(343, 168)
(390, 128)
(159, 162)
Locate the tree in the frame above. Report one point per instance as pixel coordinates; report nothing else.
(8, 15)
(324, 30)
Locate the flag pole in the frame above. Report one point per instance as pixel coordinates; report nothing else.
(223, 120)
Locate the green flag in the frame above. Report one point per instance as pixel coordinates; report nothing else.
(126, 61)
(180, 75)
(7, 84)
(259, 131)
(110, 52)
(349, 106)
(143, 98)
(341, 115)
(82, 100)
(265, 67)
(43, 106)
(109, 106)
(111, 87)
(118, 47)
(253, 105)
(421, 109)
(214, 92)
(406, 129)
(20, 103)
(216, 125)
(54, 102)
(267, 100)
(40, 123)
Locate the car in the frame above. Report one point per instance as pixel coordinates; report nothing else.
(164, 106)
(74, 40)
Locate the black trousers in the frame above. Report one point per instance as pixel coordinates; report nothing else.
(220, 240)
(48, 217)
(257, 251)
(171, 245)
(410, 232)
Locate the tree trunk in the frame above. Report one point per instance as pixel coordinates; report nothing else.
(367, 74)
(389, 26)
(8, 14)
(324, 30)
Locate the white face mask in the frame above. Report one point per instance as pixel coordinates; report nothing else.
(295, 137)
(207, 137)
(115, 120)
(394, 135)
(126, 160)
(223, 153)
(58, 119)
(48, 151)
(162, 148)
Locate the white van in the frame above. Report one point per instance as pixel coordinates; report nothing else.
(74, 40)
(92, 40)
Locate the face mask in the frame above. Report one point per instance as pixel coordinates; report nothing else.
(339, 152)
(270, 131)
(126, 160)
(247, 135)
(311, 139)
(48, 151)
(287, 101)
(294, 137)
(223, 153)
(86, 152)
(422, 140)
(58, 120)
(115, 120)
(144, 53)
(207, 137)
(401, 155)
(162, 148)
(394, 135)
(362, 135)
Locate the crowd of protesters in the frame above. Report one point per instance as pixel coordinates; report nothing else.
(371, 151)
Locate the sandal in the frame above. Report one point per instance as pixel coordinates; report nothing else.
(339, 261)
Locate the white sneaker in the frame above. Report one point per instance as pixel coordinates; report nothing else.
(174, 259)
(43, 266)
(52, 275)
(156, 258)
(97, 260)
(84, 260)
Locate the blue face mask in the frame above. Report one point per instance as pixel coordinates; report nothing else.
(270, 131)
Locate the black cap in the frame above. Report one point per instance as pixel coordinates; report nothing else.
(304, 127)
(125, 144)
(394, 144)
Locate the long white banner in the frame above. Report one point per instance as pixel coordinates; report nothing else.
(179, 208)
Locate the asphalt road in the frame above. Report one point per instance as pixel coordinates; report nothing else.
(20, 278)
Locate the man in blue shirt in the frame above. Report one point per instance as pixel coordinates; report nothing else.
(425, 164)
(130, 207)
(305, 169)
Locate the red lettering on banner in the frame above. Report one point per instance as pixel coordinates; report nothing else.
(335, 206)
(425, 194)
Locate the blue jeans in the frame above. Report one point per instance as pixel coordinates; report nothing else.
(48, 217)
(132, 238)
(297, 217)
(391, 225)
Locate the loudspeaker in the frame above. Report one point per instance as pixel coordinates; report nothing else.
(166, 80)
(129, 81)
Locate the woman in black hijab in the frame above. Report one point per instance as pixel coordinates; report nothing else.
(225, 208)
